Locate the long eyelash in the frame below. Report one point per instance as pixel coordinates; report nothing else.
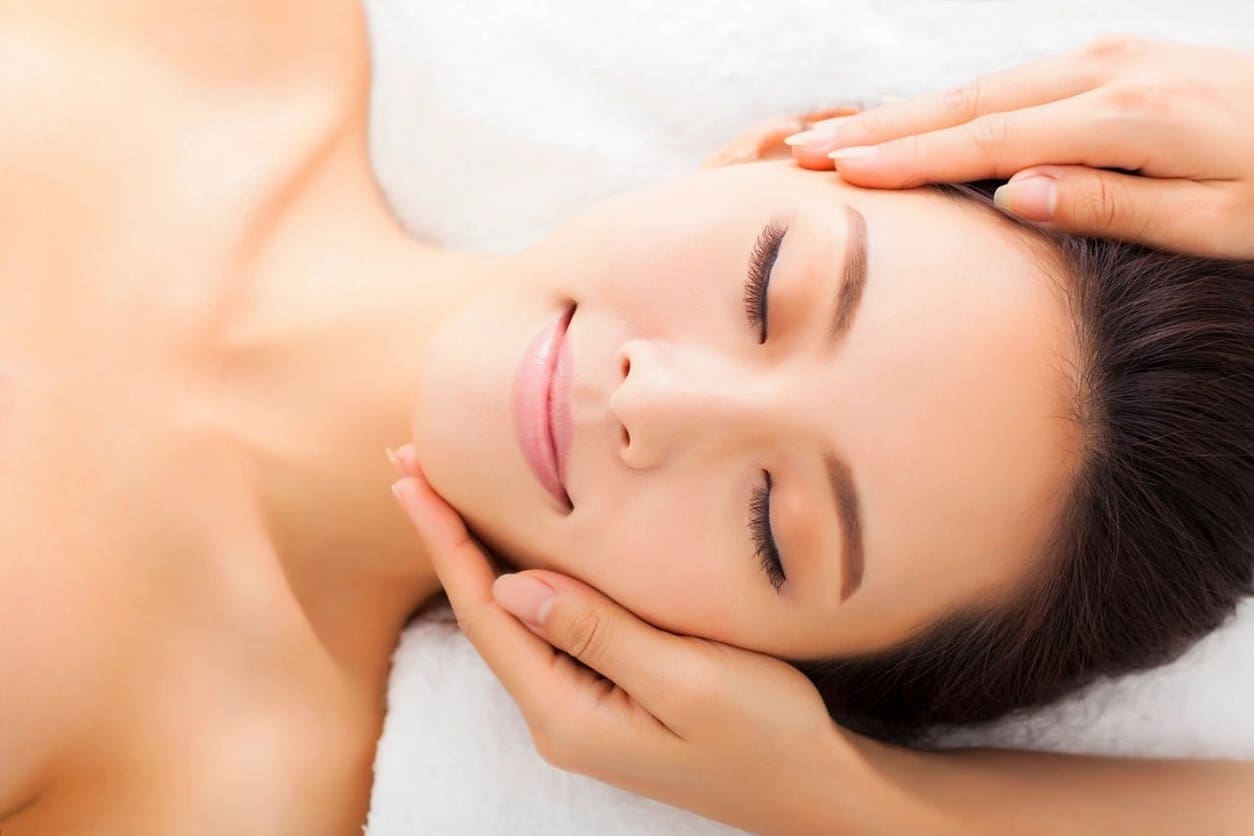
(763, 540)
(761, 260)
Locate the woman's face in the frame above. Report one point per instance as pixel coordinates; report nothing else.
(896, 429)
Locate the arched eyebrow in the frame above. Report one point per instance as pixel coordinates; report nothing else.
(847, 512)
(839, 476)
(853, 280)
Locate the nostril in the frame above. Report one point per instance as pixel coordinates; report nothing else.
(624, 365)
(626, 438)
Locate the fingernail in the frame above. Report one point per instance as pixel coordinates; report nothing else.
(807, 137)
(396, 463)
(1034, 198)
(820, 131)
(408, 499)
(525, 597)
(854, 152)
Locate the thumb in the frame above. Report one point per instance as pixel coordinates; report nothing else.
(1161, 213)
(651, 665)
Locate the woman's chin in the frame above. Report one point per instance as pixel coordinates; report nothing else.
(473, 464)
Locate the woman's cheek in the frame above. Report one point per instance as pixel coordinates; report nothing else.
(672, 572)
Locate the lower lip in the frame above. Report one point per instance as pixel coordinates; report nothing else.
(536, 405)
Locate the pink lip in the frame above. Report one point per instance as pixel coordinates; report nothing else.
(542, 416)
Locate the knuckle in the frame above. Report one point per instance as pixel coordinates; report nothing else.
(585, 635)
(989, 133)
(963, 103)
(910, 146)
(469, 627)
(1144, 100)
(874, 122)
(1100, 207)
(909, 150)
(1116, 48)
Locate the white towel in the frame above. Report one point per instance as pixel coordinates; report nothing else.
(493, 120)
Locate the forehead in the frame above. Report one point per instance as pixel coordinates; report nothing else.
(956, 416)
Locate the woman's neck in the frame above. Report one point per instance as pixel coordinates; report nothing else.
(318, 367)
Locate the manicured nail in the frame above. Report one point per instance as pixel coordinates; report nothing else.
(396, 463)
(854, 152)
(525, 597)
(823, 130)
(806, 137)
(410, 502)
(1034, 198)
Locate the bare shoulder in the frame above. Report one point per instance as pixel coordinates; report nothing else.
(223, 42)
(105, 98)
(262, 34)
(61, 57)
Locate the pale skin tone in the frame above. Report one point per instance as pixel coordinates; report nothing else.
(679, 414)
(198, 541)
(647, 728)
(1064, 129)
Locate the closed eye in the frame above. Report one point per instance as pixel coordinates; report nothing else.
(758, 280)
(764, 547)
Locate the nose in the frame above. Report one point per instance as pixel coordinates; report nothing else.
(673, 399)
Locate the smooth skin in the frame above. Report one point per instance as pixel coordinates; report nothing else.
(1066, 129)
(200, 562)
(200, 566)
(743, 738)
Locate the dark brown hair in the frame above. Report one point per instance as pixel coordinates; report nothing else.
(1155, 544)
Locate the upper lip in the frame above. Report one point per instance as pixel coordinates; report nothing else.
(542, 430)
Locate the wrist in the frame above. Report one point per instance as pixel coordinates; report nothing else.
(859, 785)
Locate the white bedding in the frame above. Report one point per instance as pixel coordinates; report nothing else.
(492, 121)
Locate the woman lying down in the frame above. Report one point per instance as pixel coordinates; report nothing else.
(945, 464)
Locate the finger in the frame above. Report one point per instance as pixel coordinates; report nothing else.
(551, 693)
(768, 139)
(461, 564)
(655, 667)
(817, 160)
(754, 144)
(810, 151)
(572, 616)
(405, 460)
(820, 121)
(1033, 83)
(1077, 130)
(1177, 215)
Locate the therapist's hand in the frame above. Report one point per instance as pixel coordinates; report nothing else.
(732, 735)
(1180, 116)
